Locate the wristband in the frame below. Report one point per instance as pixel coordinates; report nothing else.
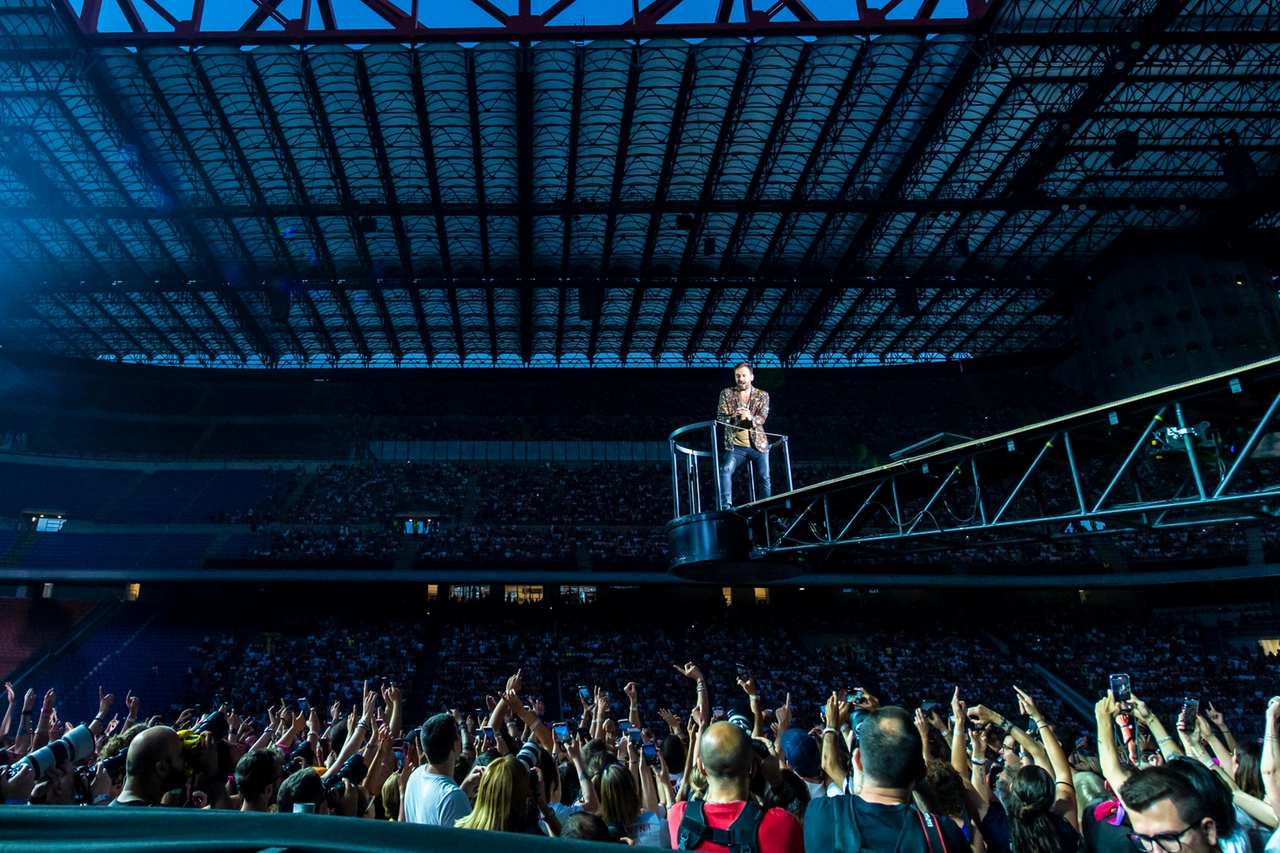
(101, 798)
(1163, 739)
(829, 730)
(977, 763)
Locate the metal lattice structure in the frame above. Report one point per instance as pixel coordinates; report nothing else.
(1195, 455)
(905, 184)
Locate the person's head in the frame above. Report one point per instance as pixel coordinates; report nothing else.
(1248, 769)
(502, 800)
(440, 739)
(1215, 793)
(258, 776)
(947, 788)
(1010, 752)
(303, 787)
(743, 376)
(1031, 797)
(154, 764)
(726, 754)
(619, 799)
(595, 755)
(889, 749)
(585, 826)
(802, 752)
(1167, 813)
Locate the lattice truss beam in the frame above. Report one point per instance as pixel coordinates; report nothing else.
(1191, 456)
(782, 194)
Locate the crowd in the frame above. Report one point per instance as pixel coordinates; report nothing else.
(1174, 661)
(489, 542)
(760, 745)
(342, 543)
(602, 493)
(366, 494)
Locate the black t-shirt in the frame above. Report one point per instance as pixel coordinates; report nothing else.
(1101, 836)
(880, 826)
(995, 831)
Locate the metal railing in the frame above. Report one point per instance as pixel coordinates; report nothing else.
(687, 448)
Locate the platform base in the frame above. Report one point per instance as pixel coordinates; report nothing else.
(713, 547)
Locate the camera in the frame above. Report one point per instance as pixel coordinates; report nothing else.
(353, 769)
(75, 745)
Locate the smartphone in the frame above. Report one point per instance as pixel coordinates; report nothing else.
(561, 731)
(717, 713)
(744, 674)
(481, 715)
(399, 751)
(488, 734)
(1190, 710)
(584, 693)
(623, 726)
(1121, 690)
(822, 713)
(650, 752)
(634, 734)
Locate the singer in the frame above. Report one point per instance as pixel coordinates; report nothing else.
(743, 409)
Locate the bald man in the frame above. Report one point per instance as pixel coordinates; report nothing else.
(711, 824)
(153, 768)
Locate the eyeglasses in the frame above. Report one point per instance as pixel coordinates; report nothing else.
(1169, 842)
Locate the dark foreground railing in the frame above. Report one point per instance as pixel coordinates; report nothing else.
(77, 829)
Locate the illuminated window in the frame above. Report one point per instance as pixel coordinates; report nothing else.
(727, 592)
(762, 595)
(469, 593)
(433, 591)
(579, 594)
(1271, 647)
(523, 594)
(131, 591)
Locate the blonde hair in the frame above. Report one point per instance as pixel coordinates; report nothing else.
(391, 797)
(619, 799)
(502, 798)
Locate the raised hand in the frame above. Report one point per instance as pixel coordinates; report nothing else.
(8, 692)
(131, 703)
(868, 701)
(631, 691)
(111, 726)
(1026, 703)
(985, 715)
(185, 717)
(978, 745)
(922, 725)
(29, 700)
(669, 717)
(783, 716)
(749, 687)
(335, 712)
(1215, 716)
(105, 701)
(1142, 711)
(515, 681)
(689, 670)
(50, 700)
(959, 711)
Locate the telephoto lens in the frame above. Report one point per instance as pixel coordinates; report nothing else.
(73, 746)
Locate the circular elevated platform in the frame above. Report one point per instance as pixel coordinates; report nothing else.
(714, 547)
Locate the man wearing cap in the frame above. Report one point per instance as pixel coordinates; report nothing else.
(431, 796)
(805, 758)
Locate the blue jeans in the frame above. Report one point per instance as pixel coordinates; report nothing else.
(729, 462)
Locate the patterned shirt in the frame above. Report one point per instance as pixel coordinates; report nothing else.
(757, 404)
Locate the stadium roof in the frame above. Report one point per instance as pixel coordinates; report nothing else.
(572, 184)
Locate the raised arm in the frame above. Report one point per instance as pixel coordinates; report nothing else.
(1271, 754)
(590, 801)
(834, 756)
(1166, 743)
(7, 723)
(1216, 717)
(537, 729)
(633, 696)
(1108, 756)
(393, 698)
(959, 719)
(757, 707)
(690, 670)
(1065, 801)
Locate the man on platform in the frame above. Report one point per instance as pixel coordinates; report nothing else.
(744, 409)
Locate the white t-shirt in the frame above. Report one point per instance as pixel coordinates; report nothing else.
(434, 800)
(651, 831)
(1273, 843)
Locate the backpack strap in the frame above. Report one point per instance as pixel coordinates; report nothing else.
(745, 829)
(740, 837)
(931, 830)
